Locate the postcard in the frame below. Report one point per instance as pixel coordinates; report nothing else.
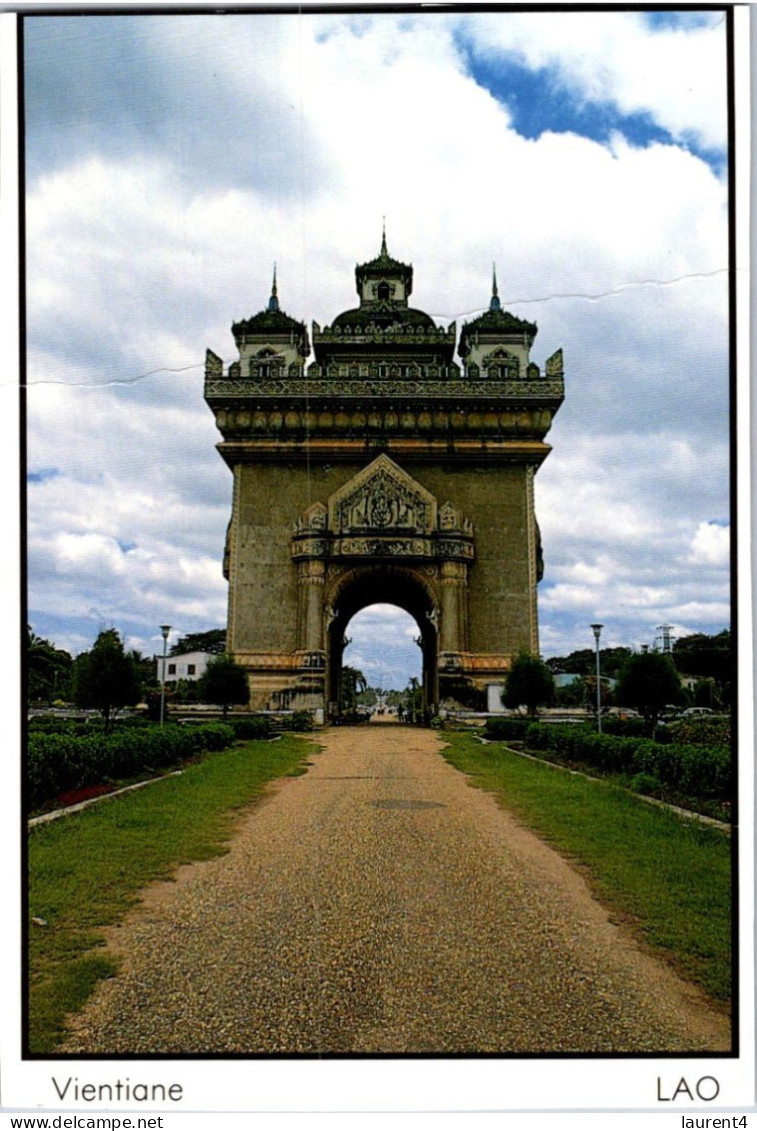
(383, 419)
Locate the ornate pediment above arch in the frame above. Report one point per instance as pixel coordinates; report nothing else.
(382, 498)
(383, 513)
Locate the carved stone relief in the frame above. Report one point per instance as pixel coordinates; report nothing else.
(382, 497)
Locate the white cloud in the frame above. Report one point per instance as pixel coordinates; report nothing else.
(383, 646)
(141, 256)
(711, 545)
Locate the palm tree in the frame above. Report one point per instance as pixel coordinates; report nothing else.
(48, 667)
(353, 682)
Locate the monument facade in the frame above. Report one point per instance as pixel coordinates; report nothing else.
(380, 469)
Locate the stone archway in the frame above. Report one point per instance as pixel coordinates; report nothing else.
(381, 537)
(385, 453)
(349, 590)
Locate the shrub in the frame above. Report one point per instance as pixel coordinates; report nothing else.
(645, 783)
(301, 721)
(59, 762)
(506, 729)
(253, 727)
(624, 728)
(696, 771)
(702, 730)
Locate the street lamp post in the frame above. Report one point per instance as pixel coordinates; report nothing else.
(165, 629)
(597, 629)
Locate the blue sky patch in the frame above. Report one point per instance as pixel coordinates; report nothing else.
(682, 21)
(42, 475)
(540, 101)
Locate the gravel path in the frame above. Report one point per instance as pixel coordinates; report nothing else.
(380, 904)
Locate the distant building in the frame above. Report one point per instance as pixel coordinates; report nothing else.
(565, 679)
(189, 666)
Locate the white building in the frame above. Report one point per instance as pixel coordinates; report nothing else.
(189, 666)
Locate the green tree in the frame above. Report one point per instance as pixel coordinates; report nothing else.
(413, 699)
(649, 682)
(705, 694)
(369, 697)
(185, 691)
(224, 682)
(106, 679)
(351, 684)
(146, 672)
(584, 661)
(213, 641)
(48, 669)
(707, 657)
(529, 682)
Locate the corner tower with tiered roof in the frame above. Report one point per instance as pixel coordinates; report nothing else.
(382, 471)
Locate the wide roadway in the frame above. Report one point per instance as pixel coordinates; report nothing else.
(380, 904)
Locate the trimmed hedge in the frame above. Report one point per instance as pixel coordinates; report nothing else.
(696, 771)
(701, 730)
(59, 762)
(254, 727)
(507, 729)
(49, 724)
(624, 728)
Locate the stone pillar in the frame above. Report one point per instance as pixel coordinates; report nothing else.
(453, 586)
(532, 561)
(311, 577)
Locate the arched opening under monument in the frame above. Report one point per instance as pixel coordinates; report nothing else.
(383, 645)
(403, 588)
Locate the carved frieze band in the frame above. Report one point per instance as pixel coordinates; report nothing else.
(469, 390)
(310, 547)
(383, 547)
(390, 547)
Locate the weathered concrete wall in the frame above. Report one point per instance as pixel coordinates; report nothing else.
(263, 576)
(495, 499)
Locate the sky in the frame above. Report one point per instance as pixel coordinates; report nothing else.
(172, 159)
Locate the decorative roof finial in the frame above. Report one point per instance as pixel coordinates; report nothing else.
(273, 302)
(384, 252)
(495, 303)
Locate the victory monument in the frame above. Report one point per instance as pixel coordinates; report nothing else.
(383, 471)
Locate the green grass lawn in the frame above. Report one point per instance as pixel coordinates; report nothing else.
(86, 870)
(669, 877)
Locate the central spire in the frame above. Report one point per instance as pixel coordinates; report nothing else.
(384, 272)
(495, 303)
(273, 302)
